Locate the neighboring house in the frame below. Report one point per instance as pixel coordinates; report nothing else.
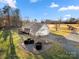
(37, 29)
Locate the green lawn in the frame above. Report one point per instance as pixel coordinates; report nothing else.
(10, 48)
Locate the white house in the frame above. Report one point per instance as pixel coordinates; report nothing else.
(38, 29)
(43, 30)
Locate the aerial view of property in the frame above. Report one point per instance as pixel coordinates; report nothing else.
(39, 29)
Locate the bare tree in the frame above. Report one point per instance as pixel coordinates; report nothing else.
(17, 18)
(56, 25)
(6, 10)
(59, 22)
(0, 18)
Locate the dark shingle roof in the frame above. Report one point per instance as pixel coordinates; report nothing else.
(35, 27)
(29, 25)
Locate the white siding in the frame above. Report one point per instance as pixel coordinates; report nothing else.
(43, 31)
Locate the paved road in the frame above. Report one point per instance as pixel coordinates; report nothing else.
(73, 37)
(68, 42)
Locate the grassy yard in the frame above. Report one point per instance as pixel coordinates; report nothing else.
(63, 29)
(10, 48)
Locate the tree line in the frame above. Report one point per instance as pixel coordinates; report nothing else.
(68, 21)
(9, 17)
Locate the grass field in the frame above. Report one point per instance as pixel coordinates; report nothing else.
(63, 29)
(10, 49)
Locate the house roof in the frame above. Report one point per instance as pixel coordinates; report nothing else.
(28, 25)
(34, 26)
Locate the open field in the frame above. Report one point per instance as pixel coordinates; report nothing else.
(63, 29)
(10, 49)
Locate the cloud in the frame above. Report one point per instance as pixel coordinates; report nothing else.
(72, 7)
(68, 15)
(65, 18)
(1, 0)
(11, 3)
(33, 1)
(54, 5)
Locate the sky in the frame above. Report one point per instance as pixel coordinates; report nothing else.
(45, 9)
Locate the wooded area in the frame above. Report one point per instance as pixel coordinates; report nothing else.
(9, 17)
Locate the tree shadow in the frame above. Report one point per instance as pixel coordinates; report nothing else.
(5, 34)
(11, 53)
(0, 35)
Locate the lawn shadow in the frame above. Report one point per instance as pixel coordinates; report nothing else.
(11, 53)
